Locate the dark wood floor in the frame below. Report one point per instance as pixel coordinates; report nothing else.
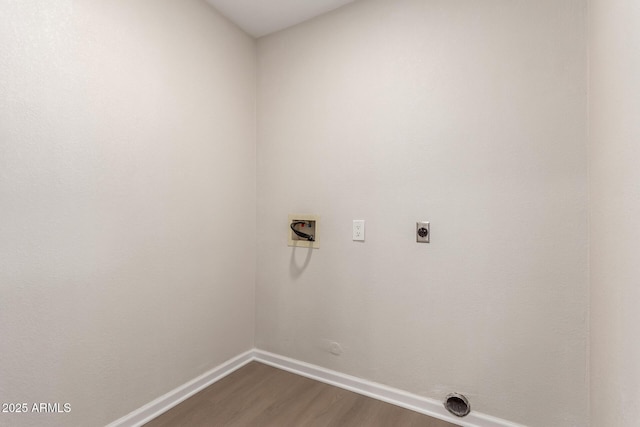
(259, 395)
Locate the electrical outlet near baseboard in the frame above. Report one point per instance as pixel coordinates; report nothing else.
(307, 227)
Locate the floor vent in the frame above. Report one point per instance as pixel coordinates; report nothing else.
(457, 404)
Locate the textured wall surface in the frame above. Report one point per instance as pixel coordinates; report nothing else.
(471, 115)
(128, 162)
(615, 208)
(127, 157)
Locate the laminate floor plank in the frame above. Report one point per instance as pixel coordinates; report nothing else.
(258, 395)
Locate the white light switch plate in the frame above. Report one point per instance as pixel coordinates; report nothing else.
(358, 230)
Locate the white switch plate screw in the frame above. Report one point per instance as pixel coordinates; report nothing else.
(358, 230)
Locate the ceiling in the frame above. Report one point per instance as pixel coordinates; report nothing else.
(262, 17)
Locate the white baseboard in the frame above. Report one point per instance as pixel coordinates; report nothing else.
(381, 392)
(162, 404)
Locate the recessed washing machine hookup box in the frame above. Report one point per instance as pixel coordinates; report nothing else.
(304, 231)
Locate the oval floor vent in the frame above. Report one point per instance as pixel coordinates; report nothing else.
(457, 404)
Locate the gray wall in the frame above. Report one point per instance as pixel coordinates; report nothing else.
(471, 115)
(615, 208)
(127, 157)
